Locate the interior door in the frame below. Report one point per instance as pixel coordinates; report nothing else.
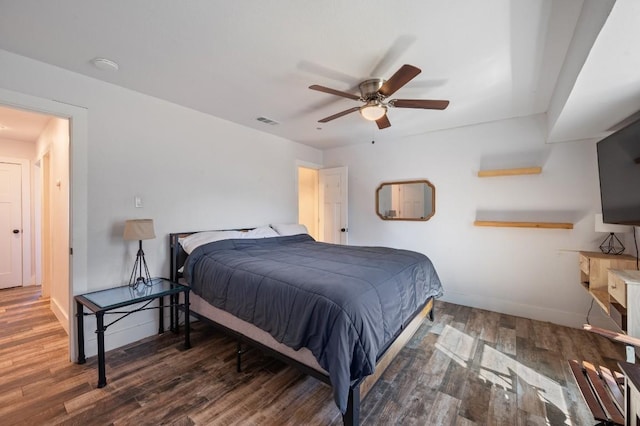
(10, 225)
(412, 200)
(333, 205)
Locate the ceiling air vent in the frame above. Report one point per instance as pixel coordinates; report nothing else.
(266, 120)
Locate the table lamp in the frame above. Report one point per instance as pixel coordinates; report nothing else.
(611, 244)
(139, 229)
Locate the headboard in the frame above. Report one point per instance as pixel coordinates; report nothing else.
(178, 256)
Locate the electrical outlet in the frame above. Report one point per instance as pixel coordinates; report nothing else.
(137, 202)
(631, 354)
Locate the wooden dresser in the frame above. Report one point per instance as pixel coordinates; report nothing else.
(609, 291)
(624, 290)
(614, 282)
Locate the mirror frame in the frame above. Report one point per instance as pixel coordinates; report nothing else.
(425, 181)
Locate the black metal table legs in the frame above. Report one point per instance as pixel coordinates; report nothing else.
(80, 328)
(102, 376)
(187, 326)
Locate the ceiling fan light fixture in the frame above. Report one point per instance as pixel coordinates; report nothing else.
(373, 111)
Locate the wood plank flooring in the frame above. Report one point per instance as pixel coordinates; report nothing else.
(469, 367)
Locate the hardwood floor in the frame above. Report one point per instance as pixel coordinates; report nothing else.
(468, 367)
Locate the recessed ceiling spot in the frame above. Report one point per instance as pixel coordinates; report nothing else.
(266, 120)
(105, 64)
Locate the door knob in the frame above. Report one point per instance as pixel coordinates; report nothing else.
(16, 231)
(343, 230)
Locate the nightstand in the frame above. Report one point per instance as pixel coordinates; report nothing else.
(107, 301)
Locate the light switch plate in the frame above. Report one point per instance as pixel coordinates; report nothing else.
(631, 354)
(137, 202)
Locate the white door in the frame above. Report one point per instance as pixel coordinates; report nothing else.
(412, 200)
(333, 205)
(10, 225)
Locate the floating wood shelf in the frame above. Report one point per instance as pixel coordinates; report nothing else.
(506, 224)
(510, 172)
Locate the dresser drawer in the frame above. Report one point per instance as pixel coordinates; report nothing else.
(619, 315)
(617, 288)
(584, 264)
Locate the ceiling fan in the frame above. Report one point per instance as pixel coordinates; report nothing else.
(374, 93)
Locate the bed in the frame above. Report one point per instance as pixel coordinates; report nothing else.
(338, 313)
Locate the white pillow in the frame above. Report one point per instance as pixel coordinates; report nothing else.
(260, 232)
(290, 228)
(194, 241)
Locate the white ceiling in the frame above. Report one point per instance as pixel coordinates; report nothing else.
(20, 125)
(493, 59)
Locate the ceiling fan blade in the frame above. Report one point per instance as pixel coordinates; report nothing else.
(334, 92)
(338, 115)
(419, 103)
(405, 74)
(383, 122)
(397, 49)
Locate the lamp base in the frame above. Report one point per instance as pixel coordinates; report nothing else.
(140, 267)
(140, 281)
(612, 245)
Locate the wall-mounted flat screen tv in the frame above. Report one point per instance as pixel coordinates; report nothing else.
(619, 171)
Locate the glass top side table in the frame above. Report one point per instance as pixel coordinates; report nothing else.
(106, 301)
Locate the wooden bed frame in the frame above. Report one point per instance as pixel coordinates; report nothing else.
(358, 389)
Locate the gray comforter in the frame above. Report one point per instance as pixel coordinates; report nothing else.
(344, 303)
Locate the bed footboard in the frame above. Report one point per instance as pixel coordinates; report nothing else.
(360, 390)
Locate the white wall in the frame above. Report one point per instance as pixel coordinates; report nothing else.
(193, 171)
(527, 272)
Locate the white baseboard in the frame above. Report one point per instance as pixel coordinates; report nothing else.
(565, 318)
(61, 314)
(119, 337)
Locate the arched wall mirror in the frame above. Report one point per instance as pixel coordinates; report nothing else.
(408, 200)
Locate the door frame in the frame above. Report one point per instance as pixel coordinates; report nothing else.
(25, 194)
(78, 194)
(42, 227)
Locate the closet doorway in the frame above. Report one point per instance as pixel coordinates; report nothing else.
(308, 199)
(323, 203)
(39, 143)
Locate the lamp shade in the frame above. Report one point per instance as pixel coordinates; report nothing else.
(610, 227)
(139, 229)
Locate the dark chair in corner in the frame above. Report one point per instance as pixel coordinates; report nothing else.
(602, 390)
